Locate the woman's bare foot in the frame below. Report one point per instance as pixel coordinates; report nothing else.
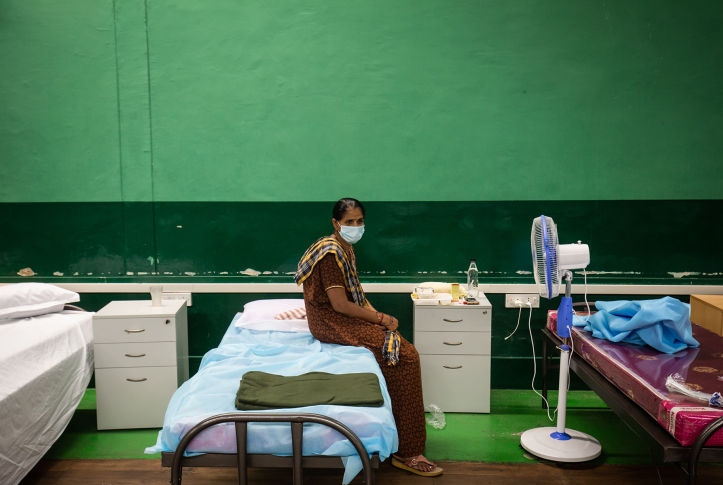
(419, 463)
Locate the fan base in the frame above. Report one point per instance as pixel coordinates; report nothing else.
(580, 446)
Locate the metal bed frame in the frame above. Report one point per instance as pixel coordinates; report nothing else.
(664, 447)
(241, 459)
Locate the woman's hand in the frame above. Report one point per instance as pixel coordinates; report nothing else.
(340, 304)
(390, 323)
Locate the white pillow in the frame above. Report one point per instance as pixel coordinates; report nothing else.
(23, 300)
(299, 326)
(258, 310)
(260, 315)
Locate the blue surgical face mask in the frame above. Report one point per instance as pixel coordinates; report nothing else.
(351, 234)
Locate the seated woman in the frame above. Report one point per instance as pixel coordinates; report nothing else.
(339, 313)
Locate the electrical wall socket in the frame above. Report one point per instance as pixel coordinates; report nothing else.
(178, 296)
(514, 300)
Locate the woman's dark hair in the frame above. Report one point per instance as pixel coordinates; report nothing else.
(345, 204)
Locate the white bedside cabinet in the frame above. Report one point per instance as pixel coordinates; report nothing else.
(454, 344)
(141, 357)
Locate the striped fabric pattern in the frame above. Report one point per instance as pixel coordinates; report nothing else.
(295, 314)
(321, 248)
(390, 351)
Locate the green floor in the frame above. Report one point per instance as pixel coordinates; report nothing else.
(493, 437)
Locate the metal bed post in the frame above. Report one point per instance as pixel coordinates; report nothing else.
(297, 438)
(544, 372)
(241, 429)
(697, 447)
(297, 433)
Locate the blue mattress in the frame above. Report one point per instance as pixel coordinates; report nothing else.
(213, 390)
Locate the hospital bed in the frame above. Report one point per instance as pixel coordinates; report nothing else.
(46, 363)
(202, 424)
(630, 379)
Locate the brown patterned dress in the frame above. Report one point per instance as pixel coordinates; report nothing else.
(404, 381)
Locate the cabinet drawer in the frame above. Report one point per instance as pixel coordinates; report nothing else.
(130, 354)
(114, 330)
(468, 343)
(133, 404)
(457, 383)
(452, 320)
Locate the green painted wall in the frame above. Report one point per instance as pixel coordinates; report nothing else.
(59, 134)
(140, 100)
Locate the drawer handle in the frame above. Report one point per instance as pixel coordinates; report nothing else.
(448, 367)
(137, 380)
(136, 331)
(452, 321)
(135, 355)
(445, 343)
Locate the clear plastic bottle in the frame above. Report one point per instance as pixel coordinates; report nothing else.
(473, 280)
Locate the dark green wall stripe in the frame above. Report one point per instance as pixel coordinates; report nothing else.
(642, 242)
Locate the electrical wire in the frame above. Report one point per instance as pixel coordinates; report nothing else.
(534, 362)
(572, 350)
(534, 358)
(572, 342)
(584, 272)
(519, 304)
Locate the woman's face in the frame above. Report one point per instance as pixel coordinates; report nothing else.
(352, 217)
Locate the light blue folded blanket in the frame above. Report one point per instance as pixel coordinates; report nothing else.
(663, 324)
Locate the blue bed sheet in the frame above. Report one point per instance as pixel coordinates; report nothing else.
(663, 324)
(213, 390)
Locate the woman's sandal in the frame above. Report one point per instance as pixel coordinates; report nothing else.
(411, 464)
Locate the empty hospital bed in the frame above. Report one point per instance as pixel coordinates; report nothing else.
(46, 363)
(631, 380)
(260, 343)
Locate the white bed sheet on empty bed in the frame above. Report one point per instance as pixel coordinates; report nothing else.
(213, 391)
(45, 365)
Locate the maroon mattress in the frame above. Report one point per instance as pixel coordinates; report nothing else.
(641, 371)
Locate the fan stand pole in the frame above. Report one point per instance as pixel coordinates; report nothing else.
(561, 444)
(562, 393)
(563, 330)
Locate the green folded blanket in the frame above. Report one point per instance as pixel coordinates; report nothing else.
(260, 391)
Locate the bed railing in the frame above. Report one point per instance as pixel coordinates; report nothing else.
(297, 434)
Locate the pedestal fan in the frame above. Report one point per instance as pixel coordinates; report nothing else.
(552, 263)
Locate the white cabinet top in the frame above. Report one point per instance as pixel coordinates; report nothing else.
(140, 308)
(483, 303)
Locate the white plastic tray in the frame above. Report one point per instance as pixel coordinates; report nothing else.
(436, 300)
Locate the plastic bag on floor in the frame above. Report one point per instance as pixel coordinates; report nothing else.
(437, 419)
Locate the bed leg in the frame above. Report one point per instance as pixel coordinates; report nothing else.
(297, 438)
(241, 452)
(697, 447)
(545, 365)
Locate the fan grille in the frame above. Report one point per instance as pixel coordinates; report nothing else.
(547, 273)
